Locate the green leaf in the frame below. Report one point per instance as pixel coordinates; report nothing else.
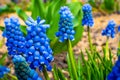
(70, 68)
(86, 70)
(21, 13)
(45, 73)
(3, 58)
(38, 9)
(72, 60)
(23, 29)
(53, 10)
(92, 3)
(79, 69)
(107, 5)
(2, 28)
(93, 62)
(55, 73)
(61, 75)
(12, 76)
(6, 8)
(49, 11)
(2, 41)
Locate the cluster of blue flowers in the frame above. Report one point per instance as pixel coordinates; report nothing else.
(22, 69)
(15, 39)
(3, 70)
(109, 31)
(87, 16)
(38, 52)
(65, 25)
(115, 73)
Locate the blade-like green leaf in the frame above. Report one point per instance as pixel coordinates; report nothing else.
(79, 69)
(55, 73)
(38, 9)
(3, 58)
(72, 59)
(53, 10)
(93, 62)
(2, 28)
(61, 75)
(2, 41)
(23, 29)
(21, 13)
(70, 68)
(106, 6)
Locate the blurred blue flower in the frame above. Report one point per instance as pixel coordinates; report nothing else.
(115, 73)
(87, 15)
(22, 69)
(66, 30)
(118, 28)
(3, 70)
(15, 39)
(38, 51)
(109, 31)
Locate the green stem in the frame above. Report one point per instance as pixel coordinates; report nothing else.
(74, 0)
(118, 51)
(89, 39)
(107, 49)
(45, 74)
(53, 42)
(72, 59)
(11, 76)
(119, 43)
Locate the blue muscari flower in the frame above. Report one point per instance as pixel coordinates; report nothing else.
(15, 39)
(109, 31)
(3, 70)
(115, 73)
(66, 30)
(87, 16)
(22, 69)
(38, 53)
(118, 28)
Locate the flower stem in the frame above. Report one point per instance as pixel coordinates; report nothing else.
(119, 43)
(72, 59)
(45, 74)
(11, 76)
(118, 51)
(89, 39)
(107, 49)
(53, 42)
(74, 0)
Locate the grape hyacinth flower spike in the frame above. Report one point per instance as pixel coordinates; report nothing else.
(22, 69)
(3, 70)
(87, 16)
(109, 31)
(38, 53)
(66, 33)
(88, 21)
(15, 39)
(119, 29)
(66, 30)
